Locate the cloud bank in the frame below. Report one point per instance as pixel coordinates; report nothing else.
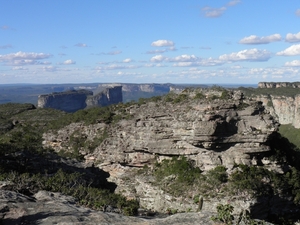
(253, 39)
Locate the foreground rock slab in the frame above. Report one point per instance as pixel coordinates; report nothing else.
(47, 208)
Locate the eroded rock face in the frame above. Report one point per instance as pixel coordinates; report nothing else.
(139, 87)
(111, 95)
(278, 84)
(69, 101)
(285, 109)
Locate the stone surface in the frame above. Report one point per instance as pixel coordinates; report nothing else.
(69, 101)
(47, 208)
(111, 95)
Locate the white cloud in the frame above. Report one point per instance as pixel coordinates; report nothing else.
(157, 51)
(247, 55)
(292, 37)
(213, 12)
(117, 67)
(162, 43)
(19, 68)
(233, 2)
(297, 12)
(81, 45)
(24, 58)
(211, 62)
(185, 64)
(253, 39)
(205, 48)
(172, 48)
(184, 58)
(111, 53)
(69, 62)
(128, 60)
(293, 63)
(49, 68)
(292, 50)
(24, 55)
(158, 58)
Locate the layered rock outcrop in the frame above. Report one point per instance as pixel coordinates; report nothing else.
(285, 109)
(139, 87)
(209, 132)
(111, 95)
(69, 101)
(74, 100)
(278, 84)
(47, 208)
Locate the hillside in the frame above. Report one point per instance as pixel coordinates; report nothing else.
(178, 153)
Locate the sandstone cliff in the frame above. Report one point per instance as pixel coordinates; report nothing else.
(281, 99)
(111, 95)
(69, 101)
(278, 84)
(285, 109)
(72, 101)
(126, 87)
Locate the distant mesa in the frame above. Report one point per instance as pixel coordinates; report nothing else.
(278, 84)
(73, 100)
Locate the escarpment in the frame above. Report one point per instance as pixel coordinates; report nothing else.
(278, 84)
(218, 132)
(111, 95)
(71, 101)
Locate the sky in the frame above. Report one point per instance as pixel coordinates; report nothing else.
(149, 41)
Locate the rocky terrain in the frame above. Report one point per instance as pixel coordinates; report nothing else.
(47, 208)
(184, 154)
(220, 132)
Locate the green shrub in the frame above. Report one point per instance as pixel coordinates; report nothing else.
(199, 95)
(180, 98)
(251, 179)
(224, 214)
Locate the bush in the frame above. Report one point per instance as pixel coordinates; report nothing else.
(224, 214)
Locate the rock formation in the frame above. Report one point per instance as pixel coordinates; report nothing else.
(47, 208)
(283, 101)
(285, 109)
(138, 87)
(209, 132)
(278, 84)
(72, 101)
(111, 95)
(69, 101)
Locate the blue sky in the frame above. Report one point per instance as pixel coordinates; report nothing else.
(149, 41)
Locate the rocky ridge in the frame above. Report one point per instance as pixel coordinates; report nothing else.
(211, 131)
